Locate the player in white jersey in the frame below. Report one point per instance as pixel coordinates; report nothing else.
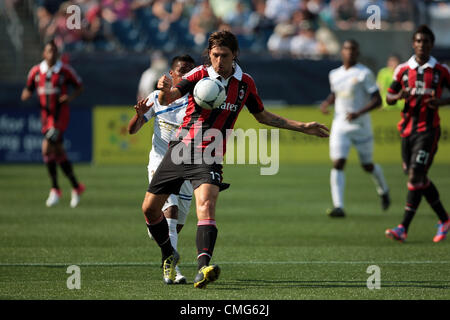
(354, 93)
(167, 120)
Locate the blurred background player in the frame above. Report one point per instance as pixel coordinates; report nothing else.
(384, 79)
(206, 177)
(355, 94)
(420, 81)
(149, 78)
(167, 120)
(51, 79)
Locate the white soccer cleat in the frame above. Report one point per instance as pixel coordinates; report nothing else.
(179, 278)
(53, 197)
(76, 195)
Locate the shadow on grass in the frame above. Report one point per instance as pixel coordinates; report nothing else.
(242, 284)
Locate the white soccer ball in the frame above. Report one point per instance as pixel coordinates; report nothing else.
(209, 93)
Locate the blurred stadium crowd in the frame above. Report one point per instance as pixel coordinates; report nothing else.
(298, 28)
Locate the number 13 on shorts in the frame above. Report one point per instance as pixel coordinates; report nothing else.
(215, 175)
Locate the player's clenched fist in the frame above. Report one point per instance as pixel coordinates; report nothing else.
(164, 83)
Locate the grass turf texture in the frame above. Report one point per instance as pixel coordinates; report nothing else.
(275, 241)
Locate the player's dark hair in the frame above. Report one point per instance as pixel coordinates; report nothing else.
(52, 43)
(423, 29)
(223, 38)
(353, 42)
(184, 58)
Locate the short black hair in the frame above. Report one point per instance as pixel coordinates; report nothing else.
(424, 30)
(184, 58)
(353, 42)
(52, 43)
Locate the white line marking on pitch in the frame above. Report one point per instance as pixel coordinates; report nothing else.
(135, 264)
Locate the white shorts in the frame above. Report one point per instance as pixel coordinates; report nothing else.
(343, 135)
(182, 200)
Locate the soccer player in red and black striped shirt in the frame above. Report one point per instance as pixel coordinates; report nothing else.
(51, 79)
(205, 177)
(420, 82)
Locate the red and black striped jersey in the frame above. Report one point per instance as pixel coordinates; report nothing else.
(240, 89)
(424, 82)
(50, 84)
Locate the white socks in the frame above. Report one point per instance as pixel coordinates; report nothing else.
(378, 179)
(173, 232)
(337, 182)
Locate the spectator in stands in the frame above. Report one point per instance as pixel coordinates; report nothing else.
(203, 22)
(222, 8)
(116, 10)
(149, 79)
(305, 45)
(280, 11)
(94, 28)
(45, 11)
(168, 12)
(279, 43)
(239, 19)
(66, 39)
(345, 13)
(401, 13)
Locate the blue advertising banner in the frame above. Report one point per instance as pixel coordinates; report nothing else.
(21, 138)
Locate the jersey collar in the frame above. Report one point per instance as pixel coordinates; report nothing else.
(44, 66)
(237, 73)
(412, 63)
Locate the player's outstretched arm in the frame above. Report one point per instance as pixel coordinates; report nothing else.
(138, 119)
(168, 94)
(274, 120)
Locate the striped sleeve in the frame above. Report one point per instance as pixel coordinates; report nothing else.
(396, 84)
(72, 76)
(446, 76)
(254, 103)
(31, 85)
(190, 79)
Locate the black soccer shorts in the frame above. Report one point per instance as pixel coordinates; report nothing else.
(419, 149)
(169, 176)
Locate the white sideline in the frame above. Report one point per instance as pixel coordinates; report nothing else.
(133, 264)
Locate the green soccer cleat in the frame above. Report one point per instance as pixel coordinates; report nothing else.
(206, 275)
(169, 273)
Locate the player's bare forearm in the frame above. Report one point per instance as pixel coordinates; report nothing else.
(392, 98)
(327, 102)
(135, 124)
(375, 102)
(167, 97)
(274, 120)
(138, 120)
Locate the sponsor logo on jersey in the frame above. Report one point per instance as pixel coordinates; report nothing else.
(229, 106)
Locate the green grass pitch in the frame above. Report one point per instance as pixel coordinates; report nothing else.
(275, 241)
